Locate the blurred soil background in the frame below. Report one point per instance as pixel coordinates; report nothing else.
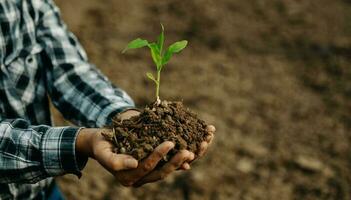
(274, 76)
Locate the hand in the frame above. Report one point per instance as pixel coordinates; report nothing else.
(90, 143)
(125, 168)
(203, 147)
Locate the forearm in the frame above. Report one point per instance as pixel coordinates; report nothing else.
(84, 97)
(80, 92)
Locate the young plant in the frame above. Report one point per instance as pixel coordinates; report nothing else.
(159, 56)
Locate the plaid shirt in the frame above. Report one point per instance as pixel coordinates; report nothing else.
(40, 58)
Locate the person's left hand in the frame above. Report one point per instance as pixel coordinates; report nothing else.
(203, 147)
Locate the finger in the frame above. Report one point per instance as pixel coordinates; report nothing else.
(211, 129)
(147, 165)
(191, 157)
(209, 138)
(117, 162)
(203, 149)
(185, 166)
(168, 168)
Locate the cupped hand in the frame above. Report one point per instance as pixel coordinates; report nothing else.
(205, 144)
(203, 147)
(125, 168)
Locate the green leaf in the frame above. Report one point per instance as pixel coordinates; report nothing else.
(135, 44)
(178, 46)
(161, 39)
(150, 76)
(174, 48)
(155, 54)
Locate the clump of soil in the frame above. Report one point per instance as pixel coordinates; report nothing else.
(168, 121)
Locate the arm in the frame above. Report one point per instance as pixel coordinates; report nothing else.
(85, 96)
(29, 154)
(81, 93)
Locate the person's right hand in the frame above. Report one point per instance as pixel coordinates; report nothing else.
(125, 168)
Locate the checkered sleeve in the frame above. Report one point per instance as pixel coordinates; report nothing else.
(29, 154)
(81, 93)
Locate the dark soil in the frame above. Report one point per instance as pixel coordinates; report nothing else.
(168, 121)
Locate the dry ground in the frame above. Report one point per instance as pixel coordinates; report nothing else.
(274, 76)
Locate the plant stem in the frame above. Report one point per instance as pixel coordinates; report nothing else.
(158, 85)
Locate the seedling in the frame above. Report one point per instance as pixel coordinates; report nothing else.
(159, 56)
(158, 122)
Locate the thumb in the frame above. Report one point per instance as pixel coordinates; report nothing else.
(117, 162)
(123, 162)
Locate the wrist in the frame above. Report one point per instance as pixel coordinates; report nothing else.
(84, 142)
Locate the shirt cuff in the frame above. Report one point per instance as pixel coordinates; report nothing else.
(58, 152)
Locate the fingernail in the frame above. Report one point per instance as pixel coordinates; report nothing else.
(131, 163)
